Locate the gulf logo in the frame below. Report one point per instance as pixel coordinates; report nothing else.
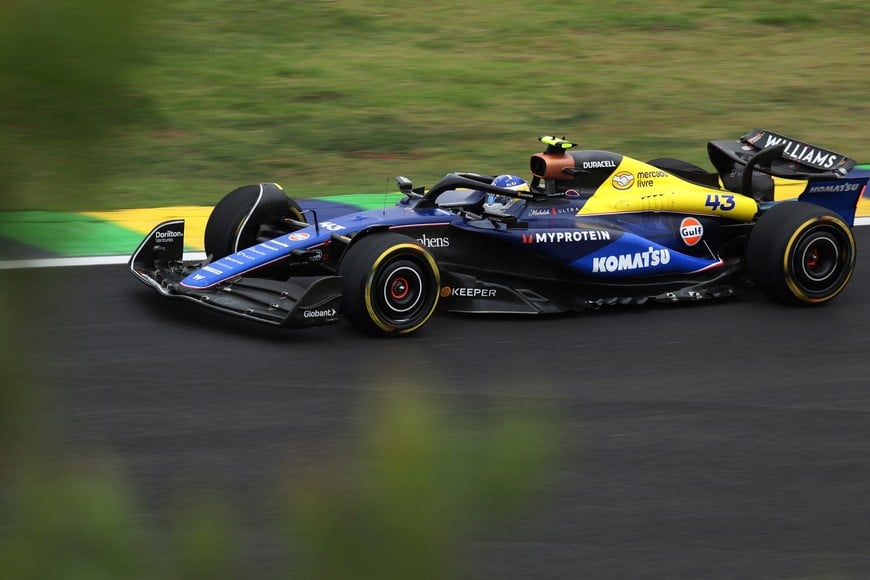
(299, 236)
(691, 231)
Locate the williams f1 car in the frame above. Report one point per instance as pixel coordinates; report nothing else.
(590, 228)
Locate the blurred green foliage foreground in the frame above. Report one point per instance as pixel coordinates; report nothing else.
(74, 83)
(419, 487)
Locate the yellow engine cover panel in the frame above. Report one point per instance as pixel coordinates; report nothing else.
(636, 186)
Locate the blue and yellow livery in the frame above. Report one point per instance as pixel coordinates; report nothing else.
(589, 228)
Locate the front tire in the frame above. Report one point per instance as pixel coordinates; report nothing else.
(801, 253)
(236, 221)
(390, 284)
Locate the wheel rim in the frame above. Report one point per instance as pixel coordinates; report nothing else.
(820, 263)
(402, 289)
(820, 258)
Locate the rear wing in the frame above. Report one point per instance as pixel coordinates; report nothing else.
(796, 152)
(749, 164)
(778, 155)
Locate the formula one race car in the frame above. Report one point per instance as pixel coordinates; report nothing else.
(591, 228)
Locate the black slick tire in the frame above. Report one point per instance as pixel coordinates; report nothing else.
(390, 284)
(800, 253)
(236, 220)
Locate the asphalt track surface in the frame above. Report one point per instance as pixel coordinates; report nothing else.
(726, 440)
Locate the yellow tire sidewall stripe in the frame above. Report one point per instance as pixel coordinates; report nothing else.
(789, 278)
(370, 280)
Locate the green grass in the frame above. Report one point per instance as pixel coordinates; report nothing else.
(340, 96)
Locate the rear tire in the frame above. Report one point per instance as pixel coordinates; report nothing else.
(236, 220)
(800, 253)
(390, 284)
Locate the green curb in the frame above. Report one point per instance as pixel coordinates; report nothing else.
(68, 234)
(364, 201)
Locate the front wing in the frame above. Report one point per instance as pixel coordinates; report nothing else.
(297, 303)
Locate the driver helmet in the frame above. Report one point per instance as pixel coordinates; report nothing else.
(507, 182)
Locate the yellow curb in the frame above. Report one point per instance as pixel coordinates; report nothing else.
(144, 220)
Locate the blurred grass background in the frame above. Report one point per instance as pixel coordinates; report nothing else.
(339, 96)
